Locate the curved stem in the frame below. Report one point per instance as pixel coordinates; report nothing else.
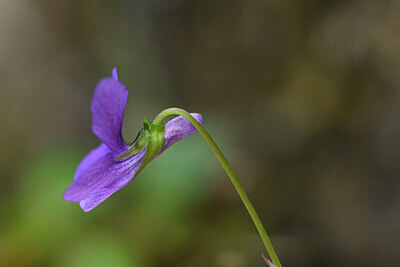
(231, 174)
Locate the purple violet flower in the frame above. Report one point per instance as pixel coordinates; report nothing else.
(99, 174)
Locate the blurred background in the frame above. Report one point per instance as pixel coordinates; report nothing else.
(302, 97)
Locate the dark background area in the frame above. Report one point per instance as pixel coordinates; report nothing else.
(302, 97)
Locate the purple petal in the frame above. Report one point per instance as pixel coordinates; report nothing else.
(100, 179)
(116, 181)
(103, 175)
(114, 74)
(108, 106)
(178, 128)
(96, 198)
(91, 158)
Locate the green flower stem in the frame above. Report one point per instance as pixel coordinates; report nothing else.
(231, 174)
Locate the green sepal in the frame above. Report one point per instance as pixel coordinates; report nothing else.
(139, 142)
(154, 144)
(136, 147)
(151, 136)
(146, 124)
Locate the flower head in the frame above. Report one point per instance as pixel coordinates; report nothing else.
(102, 172)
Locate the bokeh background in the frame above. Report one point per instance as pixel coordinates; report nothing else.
(302, 96)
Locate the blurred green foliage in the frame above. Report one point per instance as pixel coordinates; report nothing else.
(153, 211)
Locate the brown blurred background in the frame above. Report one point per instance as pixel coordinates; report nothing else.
(302, 96)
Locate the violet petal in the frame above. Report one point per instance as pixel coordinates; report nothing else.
(114, 74)
(105, 173)
(178, 128)
(105, 176)
(108, 105)
(91, 158)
